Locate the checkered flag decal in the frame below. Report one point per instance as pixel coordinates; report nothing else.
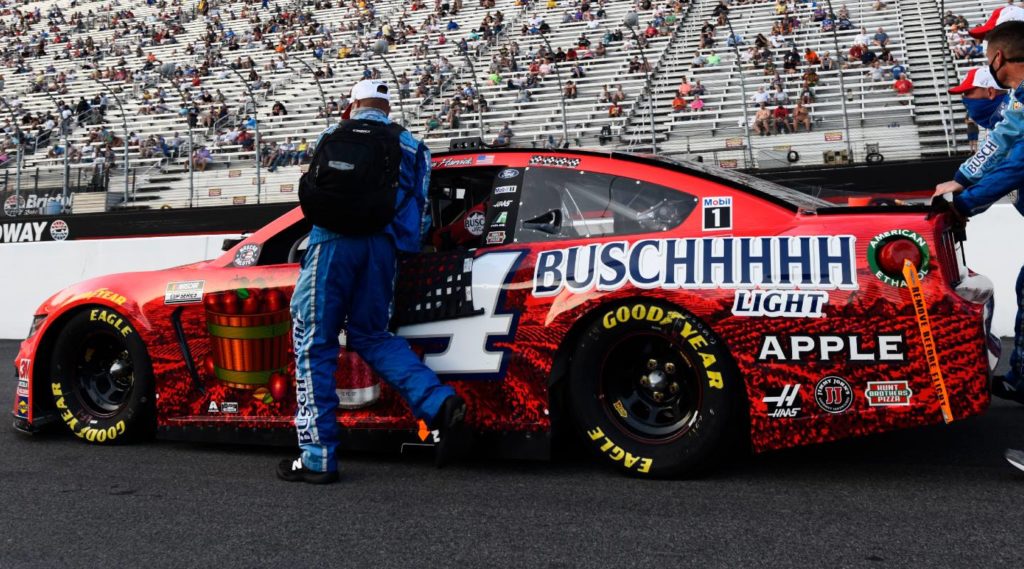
(559, 161)
(432, 287)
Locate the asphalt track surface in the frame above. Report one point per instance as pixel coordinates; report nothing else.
(932, 497)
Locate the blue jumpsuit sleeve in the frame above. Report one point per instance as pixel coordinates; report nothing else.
(423, 175)
(1007, 176)
(1000, 141)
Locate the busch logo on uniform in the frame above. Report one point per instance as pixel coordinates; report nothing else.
(819, 262)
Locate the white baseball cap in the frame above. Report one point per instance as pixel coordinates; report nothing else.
(1009, 13)
(977, 77)
(370, 89)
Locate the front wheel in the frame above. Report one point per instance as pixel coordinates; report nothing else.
(102, 379)
(654, 390)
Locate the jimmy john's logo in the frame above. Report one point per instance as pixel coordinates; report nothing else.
(813, 262)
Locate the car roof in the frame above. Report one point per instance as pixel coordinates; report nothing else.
(770, 191)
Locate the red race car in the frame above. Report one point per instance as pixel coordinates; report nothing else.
(659, 308)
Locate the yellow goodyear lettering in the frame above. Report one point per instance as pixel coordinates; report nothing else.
(92, 434)
(619, 454)
(55, 387)
(111, 318)
(623, 314)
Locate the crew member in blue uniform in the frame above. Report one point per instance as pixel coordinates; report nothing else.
(347, 283)
(996, 170)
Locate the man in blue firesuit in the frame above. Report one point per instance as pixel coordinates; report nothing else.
(994, 171)
(347, 283)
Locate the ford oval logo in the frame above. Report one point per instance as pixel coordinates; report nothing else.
(510, 173)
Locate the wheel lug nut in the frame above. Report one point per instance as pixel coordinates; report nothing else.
(670, 367)
(658, 396)
(645, 381)
(673, 388)
(652, 364)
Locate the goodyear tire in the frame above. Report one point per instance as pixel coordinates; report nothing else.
(653, 390)
(102, 379)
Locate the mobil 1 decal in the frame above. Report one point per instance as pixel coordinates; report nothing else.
(716, 213)
(807, 263)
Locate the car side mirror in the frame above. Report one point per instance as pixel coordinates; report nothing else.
(550, 222)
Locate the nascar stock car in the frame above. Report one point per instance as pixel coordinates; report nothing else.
(659, 309)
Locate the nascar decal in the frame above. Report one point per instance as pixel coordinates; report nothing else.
(878, 241)
(554, 161)
(186, 292)
(467, 344)
(59, 230)
(819, 262)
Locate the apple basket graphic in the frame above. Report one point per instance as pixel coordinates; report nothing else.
(248, 348)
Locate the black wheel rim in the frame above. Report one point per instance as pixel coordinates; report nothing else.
(104, 373)
(650, 388)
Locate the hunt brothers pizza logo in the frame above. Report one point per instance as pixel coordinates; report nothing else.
(888, 394)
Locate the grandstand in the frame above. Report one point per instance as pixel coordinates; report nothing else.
(155, 67)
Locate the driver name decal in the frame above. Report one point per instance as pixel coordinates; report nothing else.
(820, 262)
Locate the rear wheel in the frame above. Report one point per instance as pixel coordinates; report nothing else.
(102, 379)
(653, 390)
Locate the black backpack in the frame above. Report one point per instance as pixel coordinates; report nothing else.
(352, 183)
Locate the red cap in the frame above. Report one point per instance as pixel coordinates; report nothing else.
(977, 77)
(999, 15)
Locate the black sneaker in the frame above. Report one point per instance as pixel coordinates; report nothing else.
(450, 423)
(295, 471)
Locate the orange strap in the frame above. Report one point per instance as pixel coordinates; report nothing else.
(925, 326)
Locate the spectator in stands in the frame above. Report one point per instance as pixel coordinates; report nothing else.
(801, 116)
(897, 70)
(763, 121)
(684, 87)
(504, 137)
(524, 96)
(245, 139)
(760, 97)
(614, 109)
(570, 90)
(303, 152)
(856, 52)
(698, 61)
(880, 38)
(678, 103)
(697, 104)
(828, 25)
(827, 63)
(868, 57)
(779, 96)
(879, 6)
(811, 56)
(904, 88)
(714, 59)
(810, 79)
(605, 96)
(278, 109)
(619, 95)
(698, 89)
(200, 158)
(735, 40)
(791, 60)
(875, 72)
(781, 117)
